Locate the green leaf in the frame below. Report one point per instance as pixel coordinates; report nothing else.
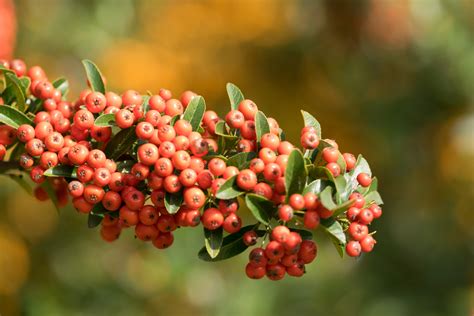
(62, 84)
(5, 70)
(12, 117)
(261, 125)
(235, 95)
(373, 197)
(305, 234)
(295, 174)
(17, 88)
(241, 160)
(261, 208)
(195, 112)
(105, 120)
(174, 119)
(173, 202)
(94, 76)
(213, 241)
(229, 189)
(96, 215)
(120, 143)
(48, 187)
(372, 187)
(326, 198)
(232, 245)
(336, 233)
(61, 171)
(310, 120)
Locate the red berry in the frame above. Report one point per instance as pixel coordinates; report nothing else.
(232, 223)
(358, 231)
(255, 272)
(311, 219)
(212, 218)
(334, 168)
(353, 248)
(367, 244)
(376, 210)
(248, 108)
(280, 233)
(194, 198)
(246, 180)
(96, 102)
(250, 238)
(364, 179)
(297, 201)
(366, 216)
(285, 213)
(330, 154)
(350, 161)
(276, 272)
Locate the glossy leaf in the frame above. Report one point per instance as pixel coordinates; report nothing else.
(120, 143)
(61, 171)
(235, 95)
(94, 76)
(17, 151)
(232, 245)
(229, 189)
(261, 208)
(361, 166)
(316, 187)
(261, 125)
(213, 241)
(241, 160)
(12, 117)
(105, 120)
(310, 120)
(173, 202)
(195, 112)
(295, 174)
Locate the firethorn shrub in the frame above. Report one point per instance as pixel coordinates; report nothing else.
(159, 163)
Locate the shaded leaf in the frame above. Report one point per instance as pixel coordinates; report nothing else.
(120, 143)
(18, 91)
(326, 198)
(125, 166)
(373, 197)
(48, 187)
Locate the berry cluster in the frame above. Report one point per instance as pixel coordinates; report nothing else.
(156, 163)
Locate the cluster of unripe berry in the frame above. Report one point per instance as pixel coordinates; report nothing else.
(174, 171)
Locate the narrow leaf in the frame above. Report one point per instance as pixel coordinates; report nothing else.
(12, 117)
(213, 241)
(94, 76)
(229, 189)
(61, 171)
(93, 220)
(235, 95)
(195, 112)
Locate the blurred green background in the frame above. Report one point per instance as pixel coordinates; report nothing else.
(393, 80)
